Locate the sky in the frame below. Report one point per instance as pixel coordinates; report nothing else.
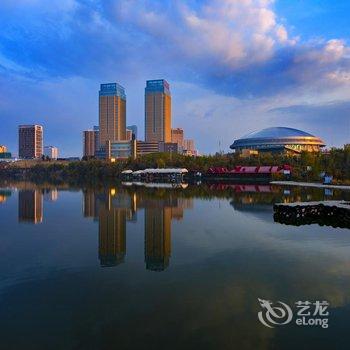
(234, 66)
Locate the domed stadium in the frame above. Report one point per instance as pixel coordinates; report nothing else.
(279, 139)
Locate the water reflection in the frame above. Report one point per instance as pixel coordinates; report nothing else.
(4, 194)
(30, 206)
(112, 208)
(217, 246)
(111, 233)
(157, 236)
(50, 195)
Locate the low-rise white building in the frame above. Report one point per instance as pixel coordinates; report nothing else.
(51, 152)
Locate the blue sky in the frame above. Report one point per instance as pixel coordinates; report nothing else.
(234, 66)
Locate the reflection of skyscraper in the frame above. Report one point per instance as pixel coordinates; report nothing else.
(30, 206)
(177, 213)
(132, 212)
(51, 195)
(185, 203)
(157, 236)
(116, 207)
(112, 234)
(90, 205)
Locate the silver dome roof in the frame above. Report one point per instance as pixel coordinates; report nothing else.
(277, 136)
(276, 132)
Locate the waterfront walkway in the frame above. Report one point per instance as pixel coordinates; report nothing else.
(310, 184)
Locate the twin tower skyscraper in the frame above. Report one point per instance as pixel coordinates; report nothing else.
(112, 112)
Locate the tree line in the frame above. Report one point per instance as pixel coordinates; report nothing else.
(306, 166)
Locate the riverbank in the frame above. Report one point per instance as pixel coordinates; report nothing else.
(310, 184)
(306, 167)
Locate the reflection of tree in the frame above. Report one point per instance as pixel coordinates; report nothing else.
(322, 216)
(194, 191)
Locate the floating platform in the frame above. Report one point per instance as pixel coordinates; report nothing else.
(240, 173)
(329, 213)
(151, 175)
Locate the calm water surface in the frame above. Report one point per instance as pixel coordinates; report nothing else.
(135, 267)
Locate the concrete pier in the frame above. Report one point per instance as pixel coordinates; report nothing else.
(310, 184)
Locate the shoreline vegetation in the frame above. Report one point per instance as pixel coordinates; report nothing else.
(307, 167)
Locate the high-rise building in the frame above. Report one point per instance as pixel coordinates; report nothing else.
(30, 141)
(3, 149)
(97, 137)
(51, 152)
(129, 134)
(189, 149)
(133, 129)
(90, 142)
(177, 136)
(112, 113)
(189, 145)
(157, 111)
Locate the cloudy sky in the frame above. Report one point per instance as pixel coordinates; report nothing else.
(234, 66)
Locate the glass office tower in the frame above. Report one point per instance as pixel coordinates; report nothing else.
(112, 113)
(157, 111)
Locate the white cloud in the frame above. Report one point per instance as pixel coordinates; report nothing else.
(334, 50)
(339, 76)
(239, 50)
(233, 33)
(221, 38)
(325, 53)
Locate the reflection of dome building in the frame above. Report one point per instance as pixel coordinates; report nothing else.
(279, 139)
